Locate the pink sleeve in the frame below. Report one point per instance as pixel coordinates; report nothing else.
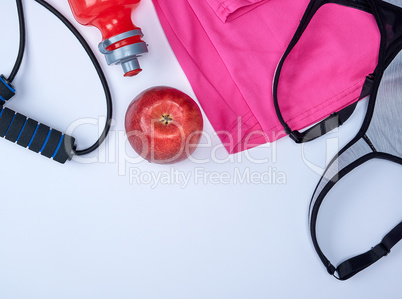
(228, 10)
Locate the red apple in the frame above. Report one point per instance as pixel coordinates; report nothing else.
(163, 125)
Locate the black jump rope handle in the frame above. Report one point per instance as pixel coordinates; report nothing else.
(28, 133)
(38, 137)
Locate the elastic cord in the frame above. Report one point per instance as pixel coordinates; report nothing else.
(109, 105)
(21, 20)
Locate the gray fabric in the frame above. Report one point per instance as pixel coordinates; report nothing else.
(395, 2)
(385, 131)
(356, 151)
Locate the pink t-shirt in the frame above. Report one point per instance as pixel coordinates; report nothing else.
(229, 50)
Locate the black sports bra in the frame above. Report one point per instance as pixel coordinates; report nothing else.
(381, 133)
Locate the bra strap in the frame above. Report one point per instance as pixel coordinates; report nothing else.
(333, 121)
(358, 263)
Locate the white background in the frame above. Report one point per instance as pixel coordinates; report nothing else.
(88, 229)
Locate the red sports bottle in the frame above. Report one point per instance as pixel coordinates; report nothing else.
(122, 43)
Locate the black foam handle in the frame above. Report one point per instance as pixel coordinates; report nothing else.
(7, 90)
(38, 137)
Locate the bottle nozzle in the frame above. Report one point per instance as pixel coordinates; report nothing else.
(126, 55)
(131, 67)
